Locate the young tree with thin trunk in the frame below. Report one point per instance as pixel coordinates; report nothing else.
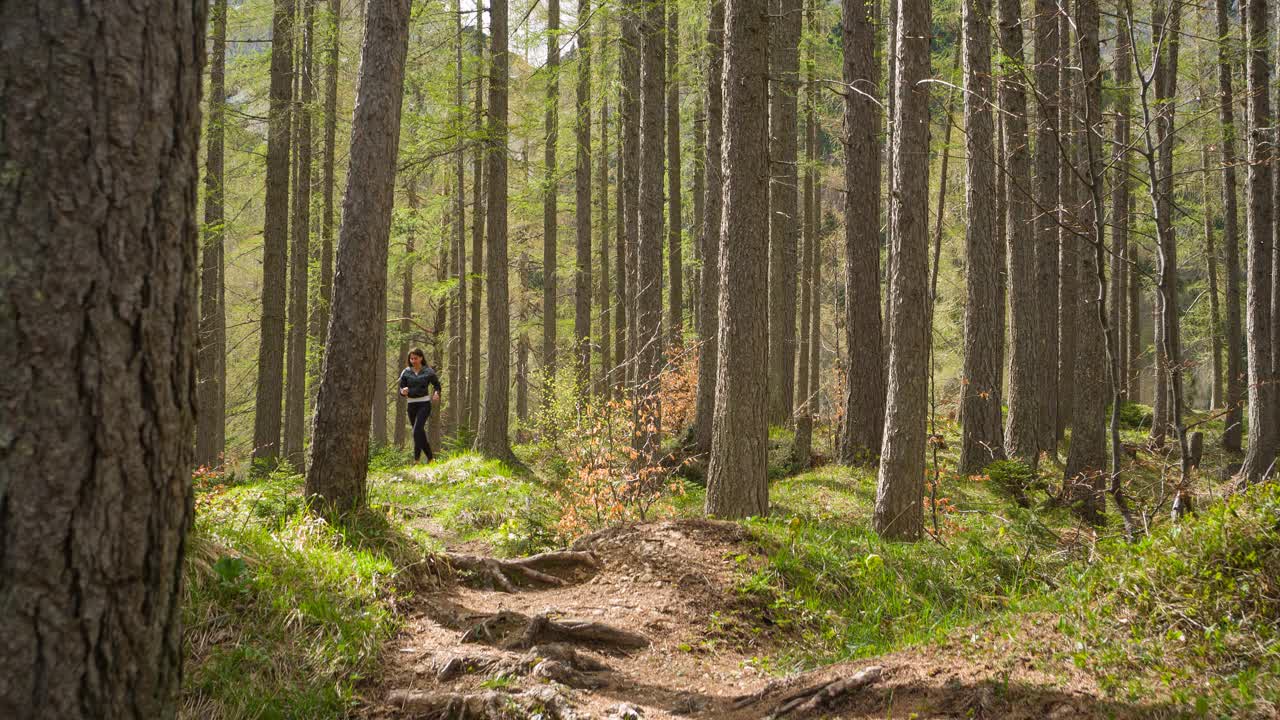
(603, 389)
(629, 204)
(478, 215)
(1235, 398)
(737, 474)
(1211, 256)
(1070, 209)
(807, 393)
(784, 37)
(699, 210)
(1260, 457)
(648, 303)
(900, 482)
(1043, 383)
(550, 188)
(211, 388)
(494, 422)
(320, 312)
(582, 183)
(709, 296)
(406, 299)
(457, 388)
(980, 395)
(275, 239)
(340, 435)
(295, 401)
(618, 370)
(863, 427)
(100, 248)
(1023, 225)
(675, 214)
(1121, 255)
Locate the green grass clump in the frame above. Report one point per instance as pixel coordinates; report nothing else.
(285, 611)
(1196, 605)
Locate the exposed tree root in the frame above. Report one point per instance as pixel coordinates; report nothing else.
(552, 661)
(815, 699)
(513, 631)
(550, 569)
(488, 705)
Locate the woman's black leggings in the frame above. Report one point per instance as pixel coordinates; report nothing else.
(418, 414)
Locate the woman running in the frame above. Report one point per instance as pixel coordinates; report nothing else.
(416, 381)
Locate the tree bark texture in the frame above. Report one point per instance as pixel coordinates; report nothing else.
(648, 302)
(1044, 383)
(550, 192)
(675, 212)
(1235, 385)
(295, 401)
(709, 296)
(211, 388)
(784, 215)
(582, 186)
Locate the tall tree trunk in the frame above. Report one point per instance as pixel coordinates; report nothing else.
(550, 191)
(295, 401)
(211, 388)
(1261, 454)
(582, 177)
(1087, 456)
(603, 389)
(99, 249)
(275, 239)
(522, 347)
(1044, 324)
(1211, 254)
(406, 303)
(457, 389)
(980, 394)
(622, 221)
(1235, 397)
(1133, 311)
(340, 436)
(900, 484)
(378, 416)
(675, 214)
(806, 394)
(784, 37)
(630, 77)
(1070, 211)
(699, 211)
(320, 313)
(737, 475)
(649, 338)
(1121, 255)
(1023, 224)
(439, 339)
(493, 437)
(863, 426)
(709, 296)
(478, 215)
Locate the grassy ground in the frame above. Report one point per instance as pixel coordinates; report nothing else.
(287, 612)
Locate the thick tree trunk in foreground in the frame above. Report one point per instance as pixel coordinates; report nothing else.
(1261, 454)
(863, 426)
(582, 178)
(99, 250)
(1027, 380)
(492, 438)
(550, 193)
(784, 215)
(295, 401)
(211, 388)
(275, 239)
(340, 438)
(737, 475)
(1235, 397)
(900, 483)
(1044, 326)
(980, 396)
(709, 295)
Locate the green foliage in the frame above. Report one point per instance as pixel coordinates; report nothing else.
(1135, 416)
(1012, 476)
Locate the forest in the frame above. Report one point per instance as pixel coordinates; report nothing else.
(640, 359)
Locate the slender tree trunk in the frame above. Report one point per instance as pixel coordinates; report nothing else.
(406, 304)
(522, 348)
(340, 437)
(457, 388)
(784, 215)
(1070, 212)
(863, 426)
(649, 337)
(1087, 457)
(493, 436)
(900, 483)
(439, 339)
(1044, 324)
(275, 239)
(1211, 255)
(100, 255)
(806, 394)
(582, 175)
(295, 402)
(320, 313)
(211, 388)
(1026, 394)
(694, 299)
(1121, 254)
(603, 389)
(1259, 460)
(550, 191)
(1133, 313)
(1235, 397)
(737, 475)
(622, 222)
(709, 296)
(675, 219)
(378, 417)
(980, 395)
(478, 215)
(630, 77)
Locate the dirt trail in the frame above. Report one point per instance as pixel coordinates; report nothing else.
(637, 622)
